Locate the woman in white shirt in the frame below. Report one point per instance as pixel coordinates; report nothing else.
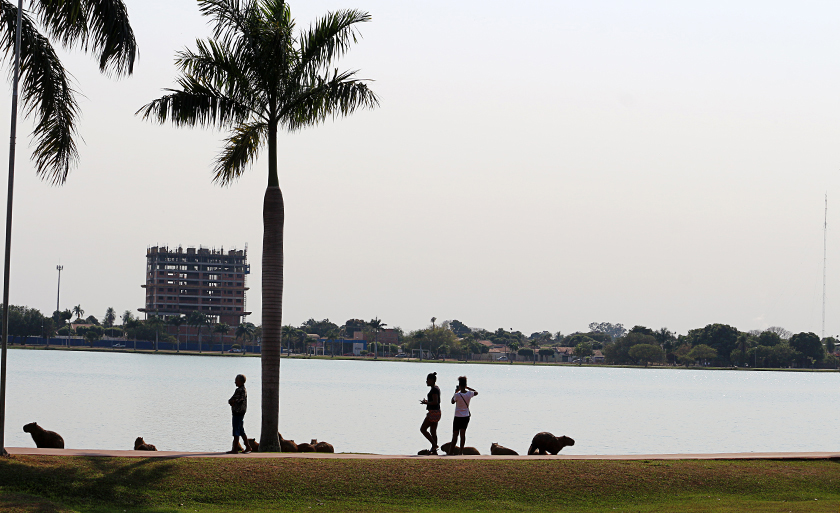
(461, 400)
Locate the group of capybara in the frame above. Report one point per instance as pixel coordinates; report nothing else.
(51, 440)
(542, 443)
(290, 446)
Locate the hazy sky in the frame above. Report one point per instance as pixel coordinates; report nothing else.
(533, 165)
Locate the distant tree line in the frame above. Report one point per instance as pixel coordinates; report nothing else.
(714, 344)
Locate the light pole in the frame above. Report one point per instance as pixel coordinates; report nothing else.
(59, 268)
(8, 253)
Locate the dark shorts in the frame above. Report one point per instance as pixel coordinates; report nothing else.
(238, 425)
(460, 423)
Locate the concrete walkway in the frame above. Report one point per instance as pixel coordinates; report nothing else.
(341, 456)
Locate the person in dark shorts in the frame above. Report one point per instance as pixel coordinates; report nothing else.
(432, 402)
(461, 400)
(238, 406)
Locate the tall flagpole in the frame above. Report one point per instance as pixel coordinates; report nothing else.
(12, 138)
(825, 239)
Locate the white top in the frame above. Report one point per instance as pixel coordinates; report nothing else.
(462, 403)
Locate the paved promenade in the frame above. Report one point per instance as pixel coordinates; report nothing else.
(174, 454)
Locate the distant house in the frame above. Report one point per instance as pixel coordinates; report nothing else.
(564, 354)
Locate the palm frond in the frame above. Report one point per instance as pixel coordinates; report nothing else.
(240, 151)
(230, 16)
(100, 26)
(339, 94)
(195, 104)
(329, 38)
(225, 68)
(46, 95)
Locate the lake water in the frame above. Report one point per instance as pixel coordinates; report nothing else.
(106, 400)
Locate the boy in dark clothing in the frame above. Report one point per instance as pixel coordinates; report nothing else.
(238, 406)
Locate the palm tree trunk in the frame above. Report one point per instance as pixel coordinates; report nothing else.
(272, 309)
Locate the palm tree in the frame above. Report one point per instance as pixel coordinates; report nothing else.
(133, 324)
(376, 324)
(258, 336)
(535, 345)
(332, 334)
(245, 331)
(197, 319)
(98, 26)
(126, 317)
(222, 329)
(156, 324)
(255, 77)
(177, 321)
(110, 317)
(78, 312)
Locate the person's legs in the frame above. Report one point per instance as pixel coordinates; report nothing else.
(429, 430)
(424, 428)
(233, 448)
(238, 430)
(245, 443)
(454, 441)
(463, 439)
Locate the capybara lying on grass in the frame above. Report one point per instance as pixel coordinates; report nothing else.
(468, 451)
(305, 447)
(141, 445)
(545, 442)
(44, 439)
(254, 445)
(500, 450)
(323, 447)
(287, 445)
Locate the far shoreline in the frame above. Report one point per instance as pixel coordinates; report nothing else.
(404, 360)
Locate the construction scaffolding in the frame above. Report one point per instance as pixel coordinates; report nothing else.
(184, 280)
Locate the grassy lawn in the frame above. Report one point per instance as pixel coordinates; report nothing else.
(45, 484)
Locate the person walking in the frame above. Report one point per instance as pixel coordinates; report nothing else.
(432, 402)
(238, 406)
(461, 400)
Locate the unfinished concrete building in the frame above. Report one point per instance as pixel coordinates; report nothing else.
(210, 281)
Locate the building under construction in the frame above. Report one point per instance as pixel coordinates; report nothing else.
(180, 281)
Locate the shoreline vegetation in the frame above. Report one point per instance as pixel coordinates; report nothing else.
(369, 358)
(712, 346)
(88, 484)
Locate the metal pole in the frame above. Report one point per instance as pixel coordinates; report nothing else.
(58, 294)
(12, 137)
(825, 240)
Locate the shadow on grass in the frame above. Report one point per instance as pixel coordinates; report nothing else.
(23, 503)
(86, 481)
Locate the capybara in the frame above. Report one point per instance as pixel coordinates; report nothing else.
(44, 439)
(468, 451)
(500, 450)
(305, 447)
(141, 445)
(287, 445)
(323, 447)
(545, 442)
(254, 445)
